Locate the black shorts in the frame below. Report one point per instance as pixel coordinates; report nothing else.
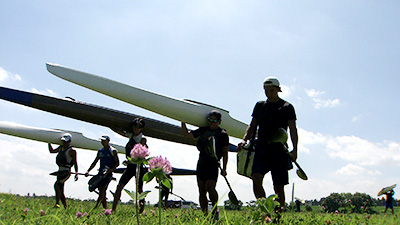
(130, 172)
(272, 158)
(207, 170)
(63, 176)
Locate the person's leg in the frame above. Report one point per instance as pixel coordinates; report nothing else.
(129, 172)
(202, 196)
(257, 185)
(62, 195)
(58, 192)
(280, 178)
(212, 192)
(102, 197)
(280, 191)
(117, 195)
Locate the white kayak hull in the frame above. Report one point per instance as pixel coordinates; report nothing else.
(53, 136)
(191, 112)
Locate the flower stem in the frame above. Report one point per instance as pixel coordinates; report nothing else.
(159, 203)
(137, 190)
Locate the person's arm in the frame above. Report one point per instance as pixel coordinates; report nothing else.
(93, 165)
(75, 162)
(224, 160)
(51, 150)
(185, 131)
(250, 131)
(294, 137)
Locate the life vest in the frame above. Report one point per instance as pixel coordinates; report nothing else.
(63, 158)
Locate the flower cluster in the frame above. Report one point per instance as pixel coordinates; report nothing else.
(107, 212)
(157, 163)
(139, 154)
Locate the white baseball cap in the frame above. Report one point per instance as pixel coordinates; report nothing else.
(272, 81)
(105, 137)
(66, 137)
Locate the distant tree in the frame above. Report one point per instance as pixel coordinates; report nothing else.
(347, 202)
(362, 203)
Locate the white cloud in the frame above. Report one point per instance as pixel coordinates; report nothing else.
(352, 148)
(319, 102)
(351, 170)
(286, 91)
(364, 152)
(17, 77)
(44, 92)
(3, 74)
(356, 118)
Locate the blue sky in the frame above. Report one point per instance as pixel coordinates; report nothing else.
(337, 62)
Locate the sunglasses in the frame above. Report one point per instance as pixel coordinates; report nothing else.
(212, 120)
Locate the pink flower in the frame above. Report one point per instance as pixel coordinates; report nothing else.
(42, 213)
(26, 210)
(267, 219)
(139, 152)
(78, 214)
(107, 211)
(176, 216)
(152, 212)
(159, 163)
(84, 214)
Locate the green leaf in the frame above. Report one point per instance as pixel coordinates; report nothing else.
(130, 193)
(143, 195)
(148, 177)
(166, 183)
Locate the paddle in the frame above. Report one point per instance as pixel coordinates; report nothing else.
(61, 172)
(212, 150)
(300, 172)
(173, 194)
(231, 194)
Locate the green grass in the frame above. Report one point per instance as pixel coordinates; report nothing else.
(24, 210)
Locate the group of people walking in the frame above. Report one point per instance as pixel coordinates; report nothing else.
(109, 161)
(268, 116)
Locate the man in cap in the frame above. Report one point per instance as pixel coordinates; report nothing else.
(208, 163)
(109, 161)
(66, 158)
(269, 116)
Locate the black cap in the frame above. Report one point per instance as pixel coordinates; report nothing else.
(216, 114)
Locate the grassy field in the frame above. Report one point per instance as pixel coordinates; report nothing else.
(40, 210)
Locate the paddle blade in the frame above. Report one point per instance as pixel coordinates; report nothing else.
(60, 173)
(302, 174)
